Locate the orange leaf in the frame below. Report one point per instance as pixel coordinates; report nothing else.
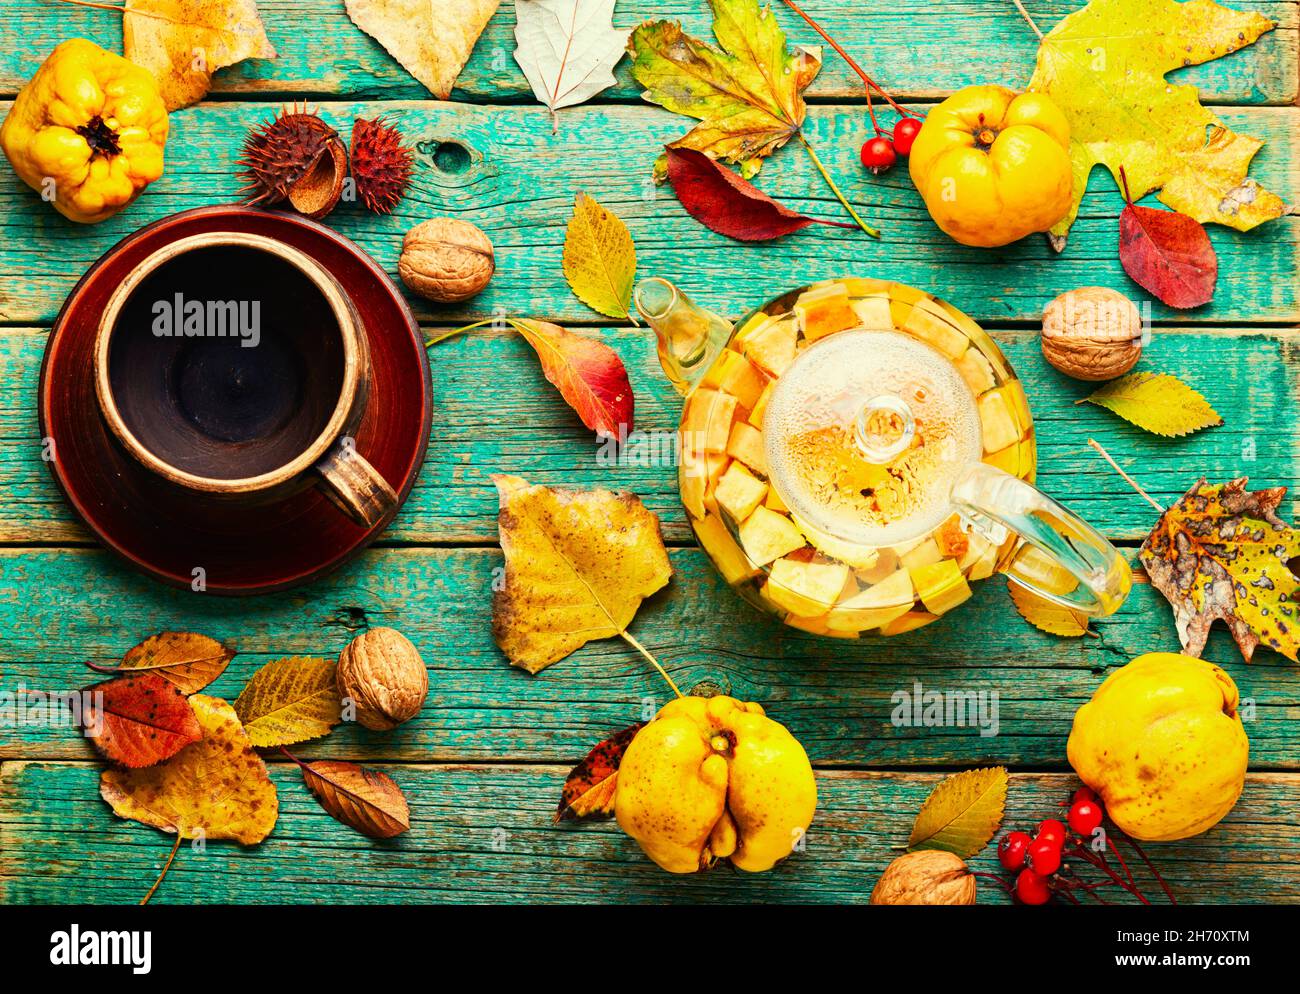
(366, 800)
(137, 721)
(588, 373)
(589, 789)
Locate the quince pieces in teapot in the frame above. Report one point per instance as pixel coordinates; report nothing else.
(820, 448)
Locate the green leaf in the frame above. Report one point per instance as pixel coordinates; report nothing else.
(962, 813)
(290, 700)
(1158, 403)
(600, 259)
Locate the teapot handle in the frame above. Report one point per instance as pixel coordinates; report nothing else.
(1060, 557)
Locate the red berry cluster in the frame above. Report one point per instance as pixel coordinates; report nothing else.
(880, 153)
(1039, 862)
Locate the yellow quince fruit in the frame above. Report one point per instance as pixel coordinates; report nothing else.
(1162, 744)
(993, 166)
(87, 131)
(711, 779)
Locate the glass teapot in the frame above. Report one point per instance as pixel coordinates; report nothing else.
(854, 453)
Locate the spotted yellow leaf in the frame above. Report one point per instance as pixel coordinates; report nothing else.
(578, 565)
(1158, 403)
(290, 700)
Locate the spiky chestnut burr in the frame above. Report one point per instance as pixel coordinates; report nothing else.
(280, 153)
(381, 164)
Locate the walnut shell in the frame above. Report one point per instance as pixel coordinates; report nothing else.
(446, 260)
(927, 876)
(382, 673)
(1092, 333)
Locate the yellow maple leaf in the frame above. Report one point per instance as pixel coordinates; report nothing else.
(578, 566)
(1105, 67)
(183, 42)
(215, 788)
(600, 259)
(1156, 402)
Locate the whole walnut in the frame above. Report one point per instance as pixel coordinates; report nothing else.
(446, 260)
(927, 876)
(1092, 333)
(384, 676)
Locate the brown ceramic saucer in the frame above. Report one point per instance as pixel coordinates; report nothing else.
(169, 534)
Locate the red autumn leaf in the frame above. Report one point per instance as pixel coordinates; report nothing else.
(589, 374)
(723, 202)
(589, 788)
(1168, 254)
(138, 721)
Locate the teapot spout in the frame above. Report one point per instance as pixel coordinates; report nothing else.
(689, 337)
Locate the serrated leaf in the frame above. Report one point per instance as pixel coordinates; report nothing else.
(578, 565)
(367, 800)
(962, 813)
(590, 786)
(600, 259)
(290, 700)
(1158, 403)
(187, 660)
(1046, 616)
(137, 721)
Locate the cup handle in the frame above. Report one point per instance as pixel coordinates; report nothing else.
(355, 486)
(1060, 557)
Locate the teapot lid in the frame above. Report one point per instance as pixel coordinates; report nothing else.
(865, 433)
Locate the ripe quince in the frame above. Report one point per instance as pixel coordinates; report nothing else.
(711, 779)
(993, 166)
(1162, 744)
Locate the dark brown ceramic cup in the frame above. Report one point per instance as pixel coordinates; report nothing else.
(233, 366)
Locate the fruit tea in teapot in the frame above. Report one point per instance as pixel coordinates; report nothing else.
(855, 453)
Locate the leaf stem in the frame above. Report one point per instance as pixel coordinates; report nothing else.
(831, 183)
(1028, 20)
(166, 866)
(870, 83)
(631, 640)
(1128, 479)
(430, 342)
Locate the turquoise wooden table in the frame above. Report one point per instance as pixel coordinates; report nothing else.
(484, 761)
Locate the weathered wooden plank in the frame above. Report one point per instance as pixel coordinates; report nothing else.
(502, 168)
(60, 608)
(494, 412)
(917, 52)
(484, 834)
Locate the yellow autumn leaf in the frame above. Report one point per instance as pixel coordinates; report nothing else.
(600, 259)
(432, 39)
(962, 812)
(1158, 403)
(290, 700)
(188, 660)
(1105, 66)
(215, 788)
(183, 42)
(1047, 616)
(578, 566)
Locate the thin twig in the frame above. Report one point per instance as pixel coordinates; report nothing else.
(430, 342)
(1028, 20)
(631, 640)
(166, 866)
(831, 183)
(1128, 479)
(870, 83)
(1151, 866)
